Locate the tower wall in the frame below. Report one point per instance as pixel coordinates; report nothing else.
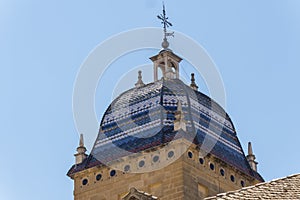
(166, 183)
(184, 179)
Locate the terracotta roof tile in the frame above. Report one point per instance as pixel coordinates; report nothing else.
(283, 188)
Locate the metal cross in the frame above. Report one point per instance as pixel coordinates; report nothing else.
(166, 23)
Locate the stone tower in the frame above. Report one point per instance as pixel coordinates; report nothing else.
(163, 140)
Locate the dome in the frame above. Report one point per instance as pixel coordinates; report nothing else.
(143, 118)
(153, 115)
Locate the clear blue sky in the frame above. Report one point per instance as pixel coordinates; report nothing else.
(255, 45)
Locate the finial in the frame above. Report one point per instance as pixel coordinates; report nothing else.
(81, 141)
(251, 157)
(179, 122)
(140, 82)
(166, 24)
(193, 84)
(80, 155)
(250, 151)
(179, 106)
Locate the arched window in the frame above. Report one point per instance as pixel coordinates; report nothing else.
(173, 67)
(161, 70)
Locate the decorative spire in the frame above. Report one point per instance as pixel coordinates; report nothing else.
(251, 157)
(250, 151)
(166, 24)
(193, 85)
(179, 122)
(81, 142)
(179, 106)
(140, 82)
(80, 155)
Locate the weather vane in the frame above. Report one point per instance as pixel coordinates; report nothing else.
(166, 23)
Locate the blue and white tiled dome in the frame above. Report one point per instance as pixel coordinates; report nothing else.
(143, 118)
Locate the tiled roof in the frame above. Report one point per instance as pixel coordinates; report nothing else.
(137, 194)
(89, 162)
(287, 188)
(142, 118)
